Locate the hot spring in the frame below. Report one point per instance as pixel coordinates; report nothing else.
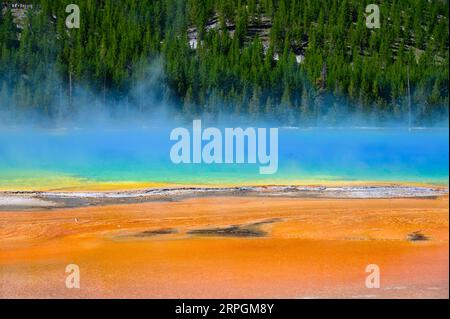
(74, 158)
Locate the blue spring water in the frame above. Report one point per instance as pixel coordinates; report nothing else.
(142, 155)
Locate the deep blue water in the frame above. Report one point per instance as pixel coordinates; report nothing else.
(42, 157)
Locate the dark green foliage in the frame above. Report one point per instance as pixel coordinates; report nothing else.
(347, 69)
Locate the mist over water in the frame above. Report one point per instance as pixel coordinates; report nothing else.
(119, 142)
(52, 159)
(151, 102)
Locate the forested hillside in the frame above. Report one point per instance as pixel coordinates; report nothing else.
(302, 62)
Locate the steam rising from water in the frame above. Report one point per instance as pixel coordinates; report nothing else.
(127, 140)
(151, 103)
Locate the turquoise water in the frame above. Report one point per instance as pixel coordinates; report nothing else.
(36, 158)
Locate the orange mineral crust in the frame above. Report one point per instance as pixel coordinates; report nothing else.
(229, 247)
